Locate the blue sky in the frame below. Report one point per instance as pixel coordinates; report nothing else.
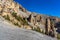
(49, 7)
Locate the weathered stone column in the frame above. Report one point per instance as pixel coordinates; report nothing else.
(32, 19)
(53, 29)
(55, 33)
(47, 26)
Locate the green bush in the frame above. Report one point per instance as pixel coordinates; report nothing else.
(14, 14)
(7, 17)
(25, 22)
(17, 24)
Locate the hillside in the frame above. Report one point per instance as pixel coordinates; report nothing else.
(17, 15)
(11, 32)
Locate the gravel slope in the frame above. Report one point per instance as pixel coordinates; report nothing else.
(10, 32)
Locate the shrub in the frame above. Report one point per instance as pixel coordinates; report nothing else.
(14, 14)
(24, 22)
(58, 36)
(17, 24)
(7, 17)
(37, 29)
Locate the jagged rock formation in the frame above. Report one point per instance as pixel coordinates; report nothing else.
(13, 11)
(45, 23)
(11, 32)
(19, 16)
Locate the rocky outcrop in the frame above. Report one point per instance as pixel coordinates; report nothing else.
(45, 23)
(19, 16)
(11, 32)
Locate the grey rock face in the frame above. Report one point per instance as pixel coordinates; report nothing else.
(10, 32)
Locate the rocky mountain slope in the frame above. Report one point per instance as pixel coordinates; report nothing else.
(11, 32)
(19, 16)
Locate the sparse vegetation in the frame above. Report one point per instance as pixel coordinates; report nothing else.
(17, 24)
(20, 19)
(24, 22)
(58, 36)
(14, 14)
(7, 17)
(37, 29)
